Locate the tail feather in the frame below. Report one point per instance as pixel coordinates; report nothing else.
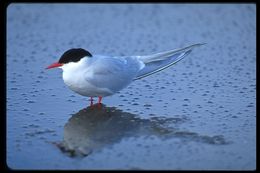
(160, 61)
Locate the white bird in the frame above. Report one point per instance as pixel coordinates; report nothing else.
(101, 76)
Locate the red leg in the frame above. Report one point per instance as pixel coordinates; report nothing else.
(91, 101)
(99, 100)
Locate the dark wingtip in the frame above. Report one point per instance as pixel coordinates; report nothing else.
(200, 44)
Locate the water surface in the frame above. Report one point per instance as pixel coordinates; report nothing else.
(198, 114)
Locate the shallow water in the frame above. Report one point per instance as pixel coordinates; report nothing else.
(198, 114)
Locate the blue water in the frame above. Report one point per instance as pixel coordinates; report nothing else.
(199, 114)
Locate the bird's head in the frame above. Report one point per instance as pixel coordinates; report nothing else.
(69, 57)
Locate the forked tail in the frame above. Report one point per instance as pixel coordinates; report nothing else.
(160, 61)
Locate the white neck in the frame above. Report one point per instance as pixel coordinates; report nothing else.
(75, 66)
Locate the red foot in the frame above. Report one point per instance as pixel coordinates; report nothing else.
(99, 100)
(92, 102)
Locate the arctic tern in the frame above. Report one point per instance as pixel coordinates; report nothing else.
(100, 75)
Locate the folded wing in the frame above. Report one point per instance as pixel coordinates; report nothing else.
(160, 61)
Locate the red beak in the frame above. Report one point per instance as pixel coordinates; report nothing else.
(54, 65)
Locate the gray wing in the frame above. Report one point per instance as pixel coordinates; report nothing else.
(160, 61)
(114, 73)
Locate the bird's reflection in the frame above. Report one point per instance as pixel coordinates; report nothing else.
(98, 126)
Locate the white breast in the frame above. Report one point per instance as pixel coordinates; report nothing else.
(100, 75)
(74, 76)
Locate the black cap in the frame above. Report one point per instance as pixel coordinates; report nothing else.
(73, 55)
